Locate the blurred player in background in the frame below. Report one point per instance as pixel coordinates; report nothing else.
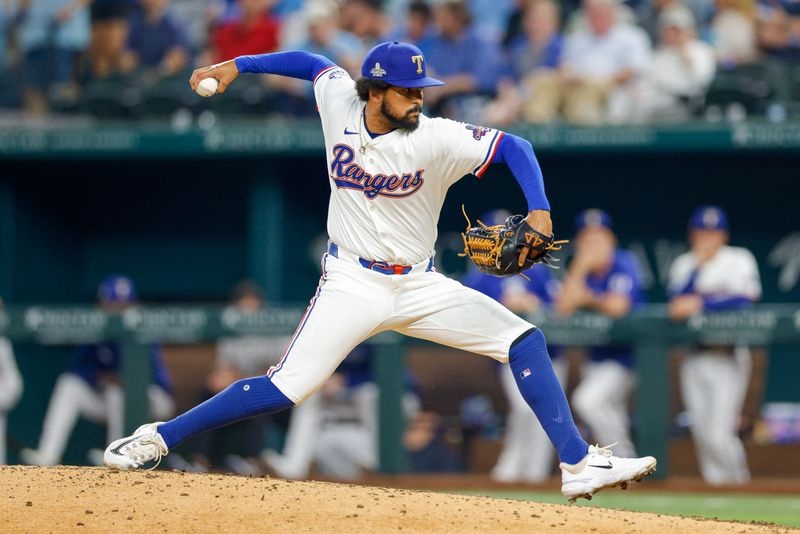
(336, 429)
(527, 454)
(91, 388)
(606, 279)
(713, 276)
(237, 357)
(10, 387)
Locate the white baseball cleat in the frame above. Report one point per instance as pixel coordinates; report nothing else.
(145, 445)
(600, 469)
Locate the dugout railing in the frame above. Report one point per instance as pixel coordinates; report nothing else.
(648, 330)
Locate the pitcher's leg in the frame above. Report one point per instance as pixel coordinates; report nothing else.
(348, 306)
(449, 313)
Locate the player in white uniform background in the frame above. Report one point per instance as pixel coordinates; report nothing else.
(10, 387)
(91, 387)
(389, 168)
(714, 276)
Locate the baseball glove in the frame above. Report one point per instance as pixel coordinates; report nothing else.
(495, 249)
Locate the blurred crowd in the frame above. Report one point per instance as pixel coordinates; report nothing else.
(579, 61)
(334, 433)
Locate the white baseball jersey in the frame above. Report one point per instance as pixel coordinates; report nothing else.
(732, 272)
(385, 202)
(714, 380)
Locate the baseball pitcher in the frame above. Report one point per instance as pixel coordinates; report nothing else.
(389, 168)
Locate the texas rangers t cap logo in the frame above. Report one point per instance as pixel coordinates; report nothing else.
(417, 60)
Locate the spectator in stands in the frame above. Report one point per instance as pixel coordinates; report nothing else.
(681, 70)
(10, 388)
(52, 34)
(158, 43)
(325, 37)
(109, 33)
(527, 454)
(5, 15)
(200, 16)
(91, 388)
(492, 18)
(253, 31)
(713, 276)
(365, 20)
(535, 57)
(237, 357)
(469, 65)
(602, 67)
(605, 279)
(296, 97)
(779, 38)
(649, 14)
(418, 27)
(734, 33)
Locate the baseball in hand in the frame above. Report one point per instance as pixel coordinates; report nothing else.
(207, 87)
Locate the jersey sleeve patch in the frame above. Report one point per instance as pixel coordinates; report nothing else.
(333, 72)
(478, 132)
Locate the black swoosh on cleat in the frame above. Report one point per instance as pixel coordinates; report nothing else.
(116, 449)
(609, 466)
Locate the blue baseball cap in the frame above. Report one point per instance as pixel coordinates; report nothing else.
(594, 218)
(399, 64)
(117, 288)
(709, 218)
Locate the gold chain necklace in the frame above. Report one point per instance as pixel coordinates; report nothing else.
(361, 136)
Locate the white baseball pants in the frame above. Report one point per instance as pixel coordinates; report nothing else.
(601, 401)
(73, 397)
(353, 303)
(714, 386)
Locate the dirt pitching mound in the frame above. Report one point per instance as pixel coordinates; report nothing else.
(80, 499)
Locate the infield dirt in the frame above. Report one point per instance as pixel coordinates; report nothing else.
(80, 499)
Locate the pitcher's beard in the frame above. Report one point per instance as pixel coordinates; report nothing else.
(406, 122)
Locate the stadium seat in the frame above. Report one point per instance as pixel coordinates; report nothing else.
(745, 85)
(111, 98)
(167, 96)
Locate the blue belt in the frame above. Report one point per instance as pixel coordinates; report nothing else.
(379, 266)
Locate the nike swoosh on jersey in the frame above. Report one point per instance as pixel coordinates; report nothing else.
(346, 132)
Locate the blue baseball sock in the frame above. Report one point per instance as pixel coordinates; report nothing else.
(540, 388)
(245, 398)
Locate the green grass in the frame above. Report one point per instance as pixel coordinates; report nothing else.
(779, 509)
